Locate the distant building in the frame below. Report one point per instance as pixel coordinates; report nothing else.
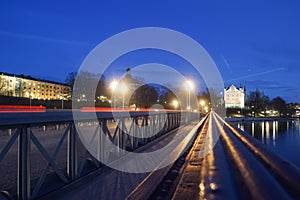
(132, 83)
(29, 87)
(129, 85)
(234, 97)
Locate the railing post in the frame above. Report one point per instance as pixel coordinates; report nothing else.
(121, 136)
(119, 124)
(132, 133)
(151, 126)
(136, 132)
(72, 159)
(101, 142)
(172, 120)
(142, 133)
(23, 182)
(168, 123)
(162, 123)
(187, 117)
(145, 133)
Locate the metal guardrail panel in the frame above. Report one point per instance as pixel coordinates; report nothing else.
(75, 167)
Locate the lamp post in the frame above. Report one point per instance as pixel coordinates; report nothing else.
(175, 104)
(62, 102)
(30, 100)
(30, 96)
(202, 103)
(123, 89)
(189, 87)
(113, 86)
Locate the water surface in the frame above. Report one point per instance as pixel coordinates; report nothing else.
(282, 137)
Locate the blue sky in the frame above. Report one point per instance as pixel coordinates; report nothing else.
(253, 43)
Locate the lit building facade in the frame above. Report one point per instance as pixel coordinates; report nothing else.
(234, 97)
(28, 87)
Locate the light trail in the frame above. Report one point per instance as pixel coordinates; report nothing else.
(21, 109)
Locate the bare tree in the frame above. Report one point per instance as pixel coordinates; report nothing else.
(70, 78)
(258, 101)
(3, 88)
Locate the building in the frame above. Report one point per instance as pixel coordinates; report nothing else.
(234, 97)
(29, 87)
(124, 91)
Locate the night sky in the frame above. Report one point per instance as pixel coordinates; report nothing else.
(253, 43)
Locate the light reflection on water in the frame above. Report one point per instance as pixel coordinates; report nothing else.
(282, 137)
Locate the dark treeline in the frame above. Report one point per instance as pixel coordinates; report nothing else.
(137, 93)
(259, 104)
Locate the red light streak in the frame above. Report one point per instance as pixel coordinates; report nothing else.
(21, 109)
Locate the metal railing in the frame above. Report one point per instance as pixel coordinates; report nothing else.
(54, 175)
(228, 163)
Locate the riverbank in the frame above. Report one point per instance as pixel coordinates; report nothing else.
(250, 119)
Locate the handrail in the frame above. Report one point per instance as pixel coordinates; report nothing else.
(33, 119)
(287, 174)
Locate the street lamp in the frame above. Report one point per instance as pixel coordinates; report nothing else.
(30, 98)
(62, 102)
(61, 98)
(175, 104)
(113, 86)
(123, 88)
(206, 109)
(202, 103)
(189, 87)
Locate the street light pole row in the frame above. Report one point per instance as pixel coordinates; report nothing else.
(122, 86)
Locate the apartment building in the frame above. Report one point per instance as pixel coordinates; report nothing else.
(234, 97)
(29, 87)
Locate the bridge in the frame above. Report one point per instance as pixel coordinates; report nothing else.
(42, 157)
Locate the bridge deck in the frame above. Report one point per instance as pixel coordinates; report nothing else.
(109, 183)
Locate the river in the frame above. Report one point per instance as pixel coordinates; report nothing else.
(282, 136)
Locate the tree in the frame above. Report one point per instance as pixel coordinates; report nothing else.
(101, 87)
(204, 96)
(265, 104)
(279, 104)
(258, 101)
(145, 96)
(88, 86)
(70, 78)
